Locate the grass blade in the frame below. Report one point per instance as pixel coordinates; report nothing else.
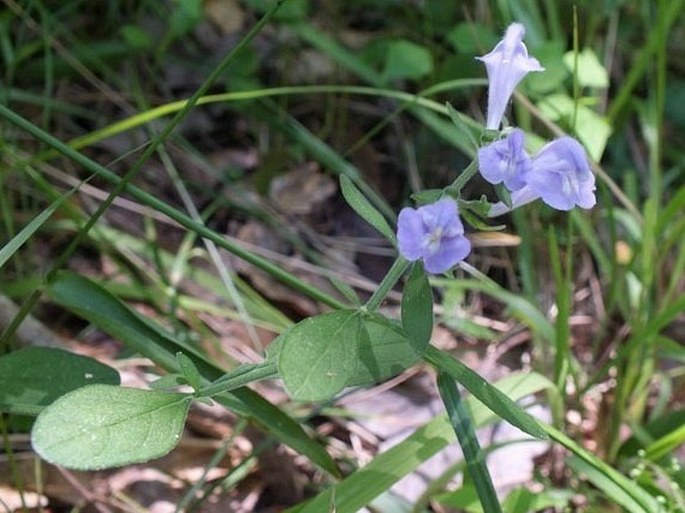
(19, 239)
(462, 424)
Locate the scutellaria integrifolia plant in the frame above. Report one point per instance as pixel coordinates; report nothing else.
(559, 173)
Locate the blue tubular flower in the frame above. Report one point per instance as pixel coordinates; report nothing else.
(433, 233)
(505, 161)
(561, 175)
(506, 65)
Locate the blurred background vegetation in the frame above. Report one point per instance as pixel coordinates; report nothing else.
(592, 301)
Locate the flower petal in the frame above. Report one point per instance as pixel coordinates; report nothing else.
(561, 175)
(410, 233)
(505, 161)
(452, 251)
(506, 65)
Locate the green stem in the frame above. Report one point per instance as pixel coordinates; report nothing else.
(463, 178)
(239, 377)
(462, 423)
(389, 281)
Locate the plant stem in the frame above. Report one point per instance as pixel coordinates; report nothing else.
(394, 274)
(463, 178)
(240, 377)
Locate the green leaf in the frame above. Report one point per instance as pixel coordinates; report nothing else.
(102, 426)
(660, 428)
(417, 309)
(32, 378)
(592, 129)
(365, 209)
(470, 37)
(319, 355)
(95, 304)
(590, 71)
(189, 371)
(384, 351)
(487, 394)
(550, 55)
(666, 444)
(407, 60)
(136, 37)
(185, 16)
(464, 498)
(611, 489)
(427, 196)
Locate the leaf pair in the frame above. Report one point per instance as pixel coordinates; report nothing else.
(322, 355)
(85, 420)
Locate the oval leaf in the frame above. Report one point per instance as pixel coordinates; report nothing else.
(417, 309)
(384, 352)
(32, 378)
(319, 355)
(103, 426)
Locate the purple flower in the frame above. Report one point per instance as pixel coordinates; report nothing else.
(518, 199)
(505, 161)
(506, 65)
(433, 233)
(561, 175)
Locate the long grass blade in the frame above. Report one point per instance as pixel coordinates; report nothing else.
(462, 423)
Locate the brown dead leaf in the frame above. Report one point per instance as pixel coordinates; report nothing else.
(302, 191)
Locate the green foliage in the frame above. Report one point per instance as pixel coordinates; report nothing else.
(462, 423)
(485, 393)
(362, 486)
(186, 14)
(319, 355)
(406, 59)
(32, 378)
(95, 304)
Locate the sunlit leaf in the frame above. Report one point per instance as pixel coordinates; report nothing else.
(101, 426)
